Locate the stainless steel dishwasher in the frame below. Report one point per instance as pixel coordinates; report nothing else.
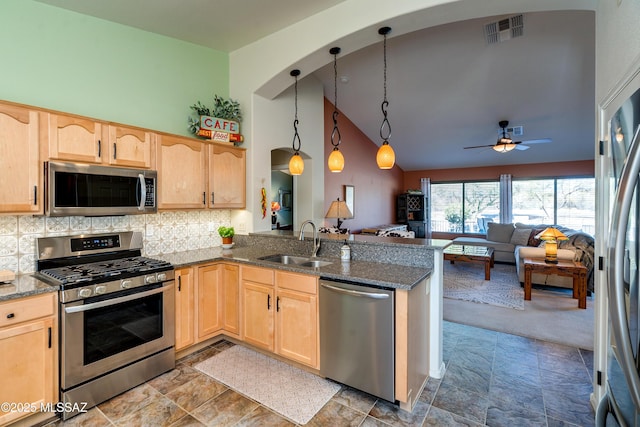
(357, 337)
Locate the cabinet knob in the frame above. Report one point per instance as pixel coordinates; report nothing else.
(11, 316)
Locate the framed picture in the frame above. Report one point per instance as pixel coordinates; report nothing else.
(350, 197)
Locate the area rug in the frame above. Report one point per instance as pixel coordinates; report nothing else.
(465, 281)
(289, 391)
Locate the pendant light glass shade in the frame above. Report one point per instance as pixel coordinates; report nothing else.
(336, 161)
(504, 148)
(296, 164)
(386, 157)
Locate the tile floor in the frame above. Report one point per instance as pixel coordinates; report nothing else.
(491, 378)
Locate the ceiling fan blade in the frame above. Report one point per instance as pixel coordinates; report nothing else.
(522, 147)
(480, 146)
(537, 141)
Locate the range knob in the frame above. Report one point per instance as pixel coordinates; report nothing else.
(162, 277)
(151, 278)
(125, 284)
(84, 293)
(100, 289)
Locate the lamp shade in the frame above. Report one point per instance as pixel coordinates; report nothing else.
(504, 148)
(386, 157)
(336, 161)
(296, 165)
(551, 233)
(275, 206)
(339, 209)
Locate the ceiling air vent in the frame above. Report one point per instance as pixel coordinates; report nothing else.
(504, 29)
(513, 131)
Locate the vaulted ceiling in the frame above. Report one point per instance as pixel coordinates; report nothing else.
(447, 86)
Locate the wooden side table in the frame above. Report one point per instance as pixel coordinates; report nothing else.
(573, 269)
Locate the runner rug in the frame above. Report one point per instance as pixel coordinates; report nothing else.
(293, 393)
(465, 281)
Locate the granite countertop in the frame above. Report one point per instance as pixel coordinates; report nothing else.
(362, 272)
(23, 286)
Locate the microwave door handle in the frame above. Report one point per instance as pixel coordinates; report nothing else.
(143, 192)
(615, 276)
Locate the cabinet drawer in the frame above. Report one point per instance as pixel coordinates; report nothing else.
(257, 274)
(297, 282)
(28, 308)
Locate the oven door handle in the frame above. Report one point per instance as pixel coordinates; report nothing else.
(107, 303)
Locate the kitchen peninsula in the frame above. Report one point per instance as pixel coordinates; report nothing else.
(411, 267)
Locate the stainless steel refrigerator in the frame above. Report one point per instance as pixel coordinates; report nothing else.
(621, 403)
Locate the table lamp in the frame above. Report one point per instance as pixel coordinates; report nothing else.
(338, 210)
(551, 236)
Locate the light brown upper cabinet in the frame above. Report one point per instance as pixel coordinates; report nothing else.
(195, 174)
(227, 174)
(181, 164)
(21, 190)
(80, 139)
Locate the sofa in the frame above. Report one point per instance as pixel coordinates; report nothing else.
(512, 243)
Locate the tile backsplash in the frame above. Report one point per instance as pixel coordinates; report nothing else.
(163, 233)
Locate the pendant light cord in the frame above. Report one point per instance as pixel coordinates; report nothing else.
(385, 103)
(335, 131)
(296, 137)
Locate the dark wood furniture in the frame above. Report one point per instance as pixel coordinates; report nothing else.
(412, 210)
(468, 253)
(573, 269)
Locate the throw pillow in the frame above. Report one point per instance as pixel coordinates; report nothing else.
(499, 232)
(533, 241)
(520, 236)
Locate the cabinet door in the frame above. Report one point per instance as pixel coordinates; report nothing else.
(181, 173)
(27, 371)
(297, 330)
(227, 177)
(258, 311)
(209, 300)
(184, 287)
(76, 139)
(20, 171)
(130, 147)
(231, 305)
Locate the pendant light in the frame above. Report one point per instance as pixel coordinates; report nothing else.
(296, 164)
(385, 158)
(336, 159)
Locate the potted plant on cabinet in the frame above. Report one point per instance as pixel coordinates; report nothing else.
(227, 234)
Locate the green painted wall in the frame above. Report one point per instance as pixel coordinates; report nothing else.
(61, 60)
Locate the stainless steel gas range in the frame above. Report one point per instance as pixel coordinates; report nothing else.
(116, 314)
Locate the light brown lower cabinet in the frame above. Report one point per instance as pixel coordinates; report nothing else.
(29, 349)
(184, 307)
(280, 313)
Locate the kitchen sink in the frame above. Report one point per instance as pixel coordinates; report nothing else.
(315, 263)
(296, 260)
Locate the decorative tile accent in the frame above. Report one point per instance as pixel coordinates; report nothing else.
(120, 223)
(27, 264)
(31, 224)
(8, 245)
(57, 224)
(137, 222)
(9, 263)
(8, 225)
(27, 244)
(80, 224)
(100, 224)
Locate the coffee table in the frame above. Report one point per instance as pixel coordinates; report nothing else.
(573, 269)
(471, 253)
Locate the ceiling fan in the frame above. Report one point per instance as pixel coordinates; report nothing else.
(506, 144)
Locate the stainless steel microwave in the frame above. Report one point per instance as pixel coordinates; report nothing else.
(93, 190)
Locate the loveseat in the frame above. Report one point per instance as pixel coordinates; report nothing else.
(512, 243)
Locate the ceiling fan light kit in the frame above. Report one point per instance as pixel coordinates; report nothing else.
(506, 144)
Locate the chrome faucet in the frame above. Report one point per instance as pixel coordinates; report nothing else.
(316, 239)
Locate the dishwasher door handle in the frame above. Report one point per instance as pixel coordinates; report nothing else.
(351, 292)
